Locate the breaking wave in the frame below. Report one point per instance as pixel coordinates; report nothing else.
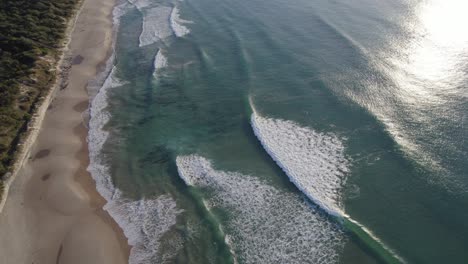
(265, 225)
(144, 222)
(313, 161)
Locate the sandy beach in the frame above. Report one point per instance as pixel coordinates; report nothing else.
(53, 213)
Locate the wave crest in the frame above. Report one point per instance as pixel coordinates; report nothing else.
(313, 161)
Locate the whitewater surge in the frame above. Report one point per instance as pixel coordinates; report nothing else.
(177, 23)
(144, 222)
(160, 62)
(313, 161)
(141, 4)
(265, 225)
(155, 25)
(159, 22)
(118, 12)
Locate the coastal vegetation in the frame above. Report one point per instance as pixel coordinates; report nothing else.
(31, 35)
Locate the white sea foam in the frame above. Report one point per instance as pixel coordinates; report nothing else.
(159, 22)
(156, 25)
(314, 162)
(265, 225)
(118, 12)
(94, 85)
(177, 23)
(141, 4)
(97, 135)
(145, 221)
(160, 62)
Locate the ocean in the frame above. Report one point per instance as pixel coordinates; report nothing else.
(303, 131)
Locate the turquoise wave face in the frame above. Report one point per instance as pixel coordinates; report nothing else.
(286, 132)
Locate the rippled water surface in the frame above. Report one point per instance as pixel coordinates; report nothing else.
(303, 131)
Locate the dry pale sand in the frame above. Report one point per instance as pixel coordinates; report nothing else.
(53, 213)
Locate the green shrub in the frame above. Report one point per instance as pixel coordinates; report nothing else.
(29, 29)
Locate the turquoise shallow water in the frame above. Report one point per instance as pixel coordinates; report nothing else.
(286, 131)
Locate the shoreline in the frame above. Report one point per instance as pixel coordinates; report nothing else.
(50, 210)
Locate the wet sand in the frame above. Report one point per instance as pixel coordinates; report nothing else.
(53, 213)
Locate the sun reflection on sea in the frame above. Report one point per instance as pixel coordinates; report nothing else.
(427, 66)
(433, 62)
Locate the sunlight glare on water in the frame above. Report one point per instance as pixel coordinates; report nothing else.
(427, 68)
(435, 56)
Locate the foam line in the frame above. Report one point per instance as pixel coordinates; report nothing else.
(177, 23)
(264, 224)
(144, 222)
